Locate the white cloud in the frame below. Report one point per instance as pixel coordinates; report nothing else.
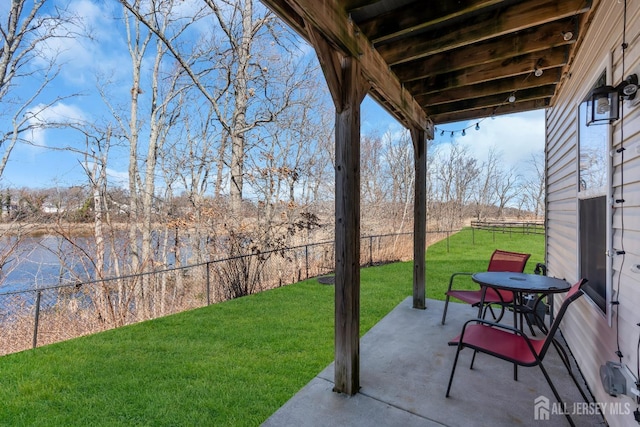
(57, 114)
(81, 45)
(515, 137)
(118, 178)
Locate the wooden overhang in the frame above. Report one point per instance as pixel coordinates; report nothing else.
(427, 63)
(450, 60)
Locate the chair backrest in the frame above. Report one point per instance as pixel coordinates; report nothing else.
(574, 293)
(508, 261)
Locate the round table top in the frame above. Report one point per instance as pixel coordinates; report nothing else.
(521, 282)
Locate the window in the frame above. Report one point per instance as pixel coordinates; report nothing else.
(593, 187)
(593, 145)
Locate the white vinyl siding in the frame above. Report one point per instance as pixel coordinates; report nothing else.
(591, 338)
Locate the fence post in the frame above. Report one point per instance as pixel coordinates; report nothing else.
(447, 241)
(473, 235)
(208, 285)
(306, 259)
(370, 251)
(37, 319)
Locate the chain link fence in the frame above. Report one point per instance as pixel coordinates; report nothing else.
(43, 316)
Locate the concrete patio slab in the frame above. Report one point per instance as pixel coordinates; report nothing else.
(405, 363)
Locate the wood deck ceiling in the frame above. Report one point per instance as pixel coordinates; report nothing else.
(458, 60)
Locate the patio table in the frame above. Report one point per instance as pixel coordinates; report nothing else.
(522, 284)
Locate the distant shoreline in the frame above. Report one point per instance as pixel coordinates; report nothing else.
(43, 229)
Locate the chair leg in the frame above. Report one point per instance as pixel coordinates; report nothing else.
(444, 313)
(555, 392)
(565, 359)
(473, 359)
(453, 369)
(502, 309)
(484, 313)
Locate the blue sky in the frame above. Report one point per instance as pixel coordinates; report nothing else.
(92, 62)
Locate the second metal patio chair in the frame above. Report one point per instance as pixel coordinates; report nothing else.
(511, 344)
(500, 261)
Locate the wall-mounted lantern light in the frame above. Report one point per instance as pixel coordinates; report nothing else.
(603, 105)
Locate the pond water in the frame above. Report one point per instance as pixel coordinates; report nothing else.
(47, 261)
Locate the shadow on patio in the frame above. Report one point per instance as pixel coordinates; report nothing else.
(405, 364)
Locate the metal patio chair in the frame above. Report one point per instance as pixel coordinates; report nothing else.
(511, 344)
(499, 261)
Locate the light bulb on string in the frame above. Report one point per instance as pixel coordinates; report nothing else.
(451, 134)
(463, 132)
(478, 126)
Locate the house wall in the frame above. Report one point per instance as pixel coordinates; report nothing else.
(591, 335)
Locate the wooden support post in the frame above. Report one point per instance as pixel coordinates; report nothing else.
(348, 89)
(419, 138)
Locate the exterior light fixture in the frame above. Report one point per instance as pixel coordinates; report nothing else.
(478, 126)
(629, 87)
(567, 35)
(603, 104)
(537, 69)
(512, 97)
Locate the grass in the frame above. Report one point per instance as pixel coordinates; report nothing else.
(233, 363)
(470, 251)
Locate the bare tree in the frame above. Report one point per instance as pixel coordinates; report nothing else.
(455, 172)
(533, 187)
(484, 196)
(400, 166)
(506, 188)
(373, 184)
(159, 97)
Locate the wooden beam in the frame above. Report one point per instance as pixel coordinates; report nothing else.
(419, 217)
(331, 20)
(550, 76)
(347, 230)
(415, 16)
(496, 100)
(330, 62)
(534, 40)
(348, 88)
(521, 65)
(508, 108)
(517, 17)
(351, 5)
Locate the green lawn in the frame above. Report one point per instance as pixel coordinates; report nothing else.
(470, 251)
(233, 363)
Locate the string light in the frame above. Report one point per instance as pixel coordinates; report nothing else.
(462, 132)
